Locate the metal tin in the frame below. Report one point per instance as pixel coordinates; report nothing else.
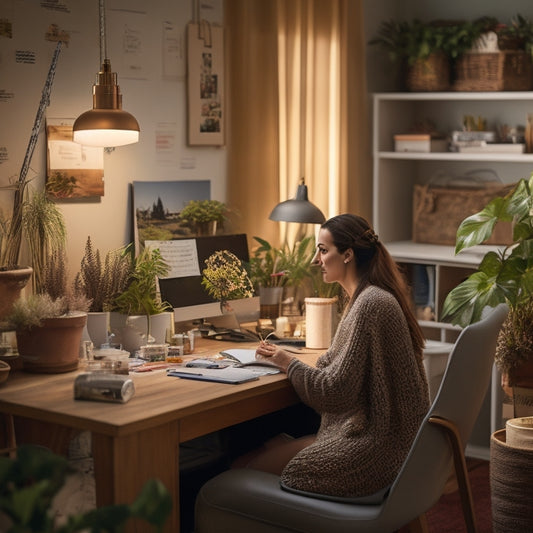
(103, 387)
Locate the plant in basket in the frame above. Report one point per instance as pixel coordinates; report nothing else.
(420, 48)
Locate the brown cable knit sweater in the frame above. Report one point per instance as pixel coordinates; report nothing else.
(371, 392)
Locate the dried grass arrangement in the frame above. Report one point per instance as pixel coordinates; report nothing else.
(102, 281)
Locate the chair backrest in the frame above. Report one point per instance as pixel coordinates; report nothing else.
(459, 399)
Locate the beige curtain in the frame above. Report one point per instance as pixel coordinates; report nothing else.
(296, 109)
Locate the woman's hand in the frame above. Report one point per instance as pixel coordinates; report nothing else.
(276, 355)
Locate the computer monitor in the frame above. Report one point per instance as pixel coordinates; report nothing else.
(185, 293)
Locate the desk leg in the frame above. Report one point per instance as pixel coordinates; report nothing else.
(123, 464)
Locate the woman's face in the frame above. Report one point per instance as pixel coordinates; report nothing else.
(332, 263)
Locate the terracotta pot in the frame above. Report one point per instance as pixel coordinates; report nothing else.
(11, 283)
(54, 347)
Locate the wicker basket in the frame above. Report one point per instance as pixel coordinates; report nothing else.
(479, 72)
(511, 479)
(430, 74)
(517, 71)
(438, 212)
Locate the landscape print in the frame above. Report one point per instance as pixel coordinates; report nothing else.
(157, 205)
(74, 170)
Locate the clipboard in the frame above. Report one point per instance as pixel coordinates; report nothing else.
(229, 375)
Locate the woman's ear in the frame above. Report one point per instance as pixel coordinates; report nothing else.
(348, 255)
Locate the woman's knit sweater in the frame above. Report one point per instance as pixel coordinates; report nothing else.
(371, 392)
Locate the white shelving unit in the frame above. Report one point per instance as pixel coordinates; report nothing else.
(396, 173)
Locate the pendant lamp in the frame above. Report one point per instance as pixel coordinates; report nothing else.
(106, 124)
(298, 209)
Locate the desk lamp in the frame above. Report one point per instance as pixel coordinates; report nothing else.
(298, 209)
(106, 124)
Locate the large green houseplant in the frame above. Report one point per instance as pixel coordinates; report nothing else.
(504, 276)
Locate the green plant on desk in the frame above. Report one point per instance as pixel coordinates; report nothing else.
(29, 483)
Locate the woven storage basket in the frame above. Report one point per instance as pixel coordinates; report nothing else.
(479, 72)
(517, 71)
(430, 74)
(438, 212)
(511, 482)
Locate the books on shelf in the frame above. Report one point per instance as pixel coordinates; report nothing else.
(480, 147)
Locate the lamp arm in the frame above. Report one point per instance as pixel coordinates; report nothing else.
(14, 236)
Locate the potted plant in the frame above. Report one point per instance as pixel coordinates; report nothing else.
(101, 282)
(504, 276)
(43, 227)
(13, 276)
(138, 308)
(30, 482)
(48, 331)
(204, 215)
(419, 48)
(274, 269)
(225, 278)
(428, 50)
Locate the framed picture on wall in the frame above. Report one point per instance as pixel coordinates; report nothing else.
(205, 84)
(73, 170)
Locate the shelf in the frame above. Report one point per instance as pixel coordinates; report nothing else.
(414, 252)
(456, 156)
(449, 96)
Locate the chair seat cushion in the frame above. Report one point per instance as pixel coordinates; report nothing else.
(372, 499)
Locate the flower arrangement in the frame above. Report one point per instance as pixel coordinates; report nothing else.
(225, 277)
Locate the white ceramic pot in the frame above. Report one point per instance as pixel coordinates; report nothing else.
(98, 327)
(520, 432)
(320, 321)
(132, 331)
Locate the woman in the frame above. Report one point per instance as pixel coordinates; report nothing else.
(369, 388)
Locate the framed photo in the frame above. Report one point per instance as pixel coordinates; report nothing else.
(205, 84)
(73, 170)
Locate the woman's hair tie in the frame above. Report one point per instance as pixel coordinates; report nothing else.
(370, 236)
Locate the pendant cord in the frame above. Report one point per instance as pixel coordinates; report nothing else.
(103, 44)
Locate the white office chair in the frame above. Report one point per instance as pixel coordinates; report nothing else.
(244, 500)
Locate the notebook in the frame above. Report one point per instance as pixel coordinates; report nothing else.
(229, 374)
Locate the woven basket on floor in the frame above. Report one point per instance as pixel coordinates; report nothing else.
(430, 74)
(511, 482)
(479, 72)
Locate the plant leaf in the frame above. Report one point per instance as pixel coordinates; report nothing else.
(477, 228)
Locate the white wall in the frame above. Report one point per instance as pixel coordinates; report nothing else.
(152, 100)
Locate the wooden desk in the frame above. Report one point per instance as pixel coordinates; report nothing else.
(139, 440)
